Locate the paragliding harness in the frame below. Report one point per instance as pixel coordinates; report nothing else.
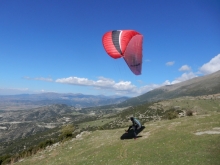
(135, 126)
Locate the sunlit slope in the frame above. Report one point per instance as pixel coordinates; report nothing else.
(204, 85)
(162, 142)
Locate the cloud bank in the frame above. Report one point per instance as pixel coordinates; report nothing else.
(121, 87)
(212, 66)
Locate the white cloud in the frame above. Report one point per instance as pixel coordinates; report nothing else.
(184, 77)
(100, 83)
(185, 68)
(167, 82)
(103, 82)
(39, 78)
(75, 81)
(170, 63)
(135, 91)
(212, 66)
(121, 87)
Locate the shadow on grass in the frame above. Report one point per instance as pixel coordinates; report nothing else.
(130, 134)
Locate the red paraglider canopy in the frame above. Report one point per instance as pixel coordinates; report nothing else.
(126, 44)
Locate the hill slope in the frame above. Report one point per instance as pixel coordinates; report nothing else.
(179, 141)
(204, 85)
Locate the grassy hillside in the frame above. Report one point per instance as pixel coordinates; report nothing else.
(162, 142)
(199, 105)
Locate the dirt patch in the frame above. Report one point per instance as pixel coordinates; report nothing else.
(210, 132)
(79, 136)
(145, 135)
(175, 123)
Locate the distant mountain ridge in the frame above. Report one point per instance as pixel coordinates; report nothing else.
(203, 85)
(26, 101)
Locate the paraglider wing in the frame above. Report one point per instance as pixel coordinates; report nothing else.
(133, 54)
(126, 44)
(111, 43)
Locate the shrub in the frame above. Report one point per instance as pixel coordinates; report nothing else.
(6, 161)
(4, 158)
(171, 115)
(189, 113)
(67, 131)
(45, 144)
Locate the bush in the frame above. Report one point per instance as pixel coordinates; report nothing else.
(4, 158)
(45, 144)
(67, 131)
(189, 113)
(6, 161)
(171, 115)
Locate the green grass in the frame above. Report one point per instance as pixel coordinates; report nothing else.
(163, 142)
(202, 106)
(95, 123)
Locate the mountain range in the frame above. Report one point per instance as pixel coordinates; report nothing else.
(29, 101)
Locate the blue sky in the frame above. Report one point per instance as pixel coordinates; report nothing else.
(56, 46)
